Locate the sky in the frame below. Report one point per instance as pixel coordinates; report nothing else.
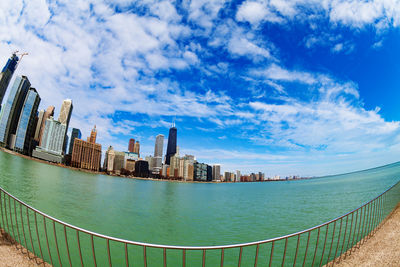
(286, 87)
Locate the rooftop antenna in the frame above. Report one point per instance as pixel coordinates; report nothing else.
(173, 122)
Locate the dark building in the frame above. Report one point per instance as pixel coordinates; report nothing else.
(11, 111)
(209, 173)
(6, 74)
(131, 146)
(200, 171)
(171, 147)
(76, 133)
(142, 168)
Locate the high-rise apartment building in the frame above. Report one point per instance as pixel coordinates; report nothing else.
(76, 133)
(172, 143)
(64, 118)
(136, 148)
(93, 136)
(158, 151)
(86, 155)
(6, 74)
(26, 125)
(11, 110)
(38, 124)
(216, 172)
(131, 145)
(47, 114)
(200, 171)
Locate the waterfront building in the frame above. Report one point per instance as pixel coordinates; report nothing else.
(47, 114)
(64, 118)
(131, 145)
(188, 167)
(108, 165)
(38, 124)
(164, 170)
(209, 173)
(199, 171)
(238, 176)
(86, 155)
(93, 136)
(174, 166)
(130, 165)
(24, 142)
(227, 177)
(6, 74)
(136, 148)
(76, 133)
(11, 111)
(131, 156)
(142, 168)
(172, 143)
(216, 170)
(158, 152)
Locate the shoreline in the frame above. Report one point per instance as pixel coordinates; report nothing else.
(11, 152)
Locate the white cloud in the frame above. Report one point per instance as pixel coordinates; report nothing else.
(256, 12)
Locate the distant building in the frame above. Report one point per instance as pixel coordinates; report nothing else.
(47, 114)
(76, 133)
(142, 169)
(209, 173)
(200, 171)
(64, 118)
(131, 156)
(6, 74)
(131, 145)
(108, 165)
(172, 144)
(24, 140)
(216, 172)
(238, 175)
(86, 155)
(136, 148)
(11, 111)
(93, 136)
(38, 124)
(158, 152)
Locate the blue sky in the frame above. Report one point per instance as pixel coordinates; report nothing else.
(280, 86)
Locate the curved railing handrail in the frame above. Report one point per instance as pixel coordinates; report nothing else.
(144, 244)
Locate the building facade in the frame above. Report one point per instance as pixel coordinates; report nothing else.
(47, 114)
(38, 124)
(131, 145)
(6, 74)
(11, 110)
(86, 155)
(76, 133)
(216, 172)
(172, 143)
(26, 125)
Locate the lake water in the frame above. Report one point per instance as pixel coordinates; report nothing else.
(192, 214)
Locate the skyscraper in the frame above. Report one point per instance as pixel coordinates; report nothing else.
(26, 125)
(6, 74)
(47, 114)
(216, 172)
(131, 146)
(171, 147)
(76, 133)
(11, 110)
(136, 148)
(158, 151)
(64, 118)
(38, 125)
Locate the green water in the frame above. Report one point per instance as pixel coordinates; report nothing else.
(184, 213)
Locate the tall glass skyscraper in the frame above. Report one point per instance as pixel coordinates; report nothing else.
(11, 110)
(6, 75)
(158, 151)
(171, 147)
(26, 125)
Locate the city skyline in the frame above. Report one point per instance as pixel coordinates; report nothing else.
(253, 85)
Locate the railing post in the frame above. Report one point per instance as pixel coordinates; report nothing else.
(1, 210)
(66, 244)
(126, 255)
(333, 236)
(354, 234)
(37, 235)
(11, 220)
(16, 222)
(338, 242)
(297, 250)
(256, 258)
(109, 252)
(55, 239)
(222, 257)
(5, 212)
(305, 254)
(93, 251)
(284, 252)
(323, 250)
(344, 238)
(272, 253)
(79, 246)
(47, 240)
(23, 232)
(348, 241)
(316, 247)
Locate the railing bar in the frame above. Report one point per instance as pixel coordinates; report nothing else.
(222, 257)
(47, 240)
(344, 238)
(144, 256)
(55, 239)
(240, 256)
(12, 224)
(338, 242)
(271, 254)
(30, 232)
(3, 225)
(93, 251)
(375, 214)
(297, 250)
(359, 227)
(333, 237)
(109, 252)
(5, 212)
(204, 257)
(256, 258)
(371, 220)
(354, 234)
(284, 253)
(66, 244)
(380, 212)
(316, 247)
(183, 257)
(362, 228)
(16, 222)
(126, 255)
(165, 257)
(368, 223)
(79, 247)
(323, 250)
(348, 241)
(305, 253)
(37, 234)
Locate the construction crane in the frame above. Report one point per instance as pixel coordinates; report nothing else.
(20, 55)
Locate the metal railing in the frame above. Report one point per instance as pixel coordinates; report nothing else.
(60, 243)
